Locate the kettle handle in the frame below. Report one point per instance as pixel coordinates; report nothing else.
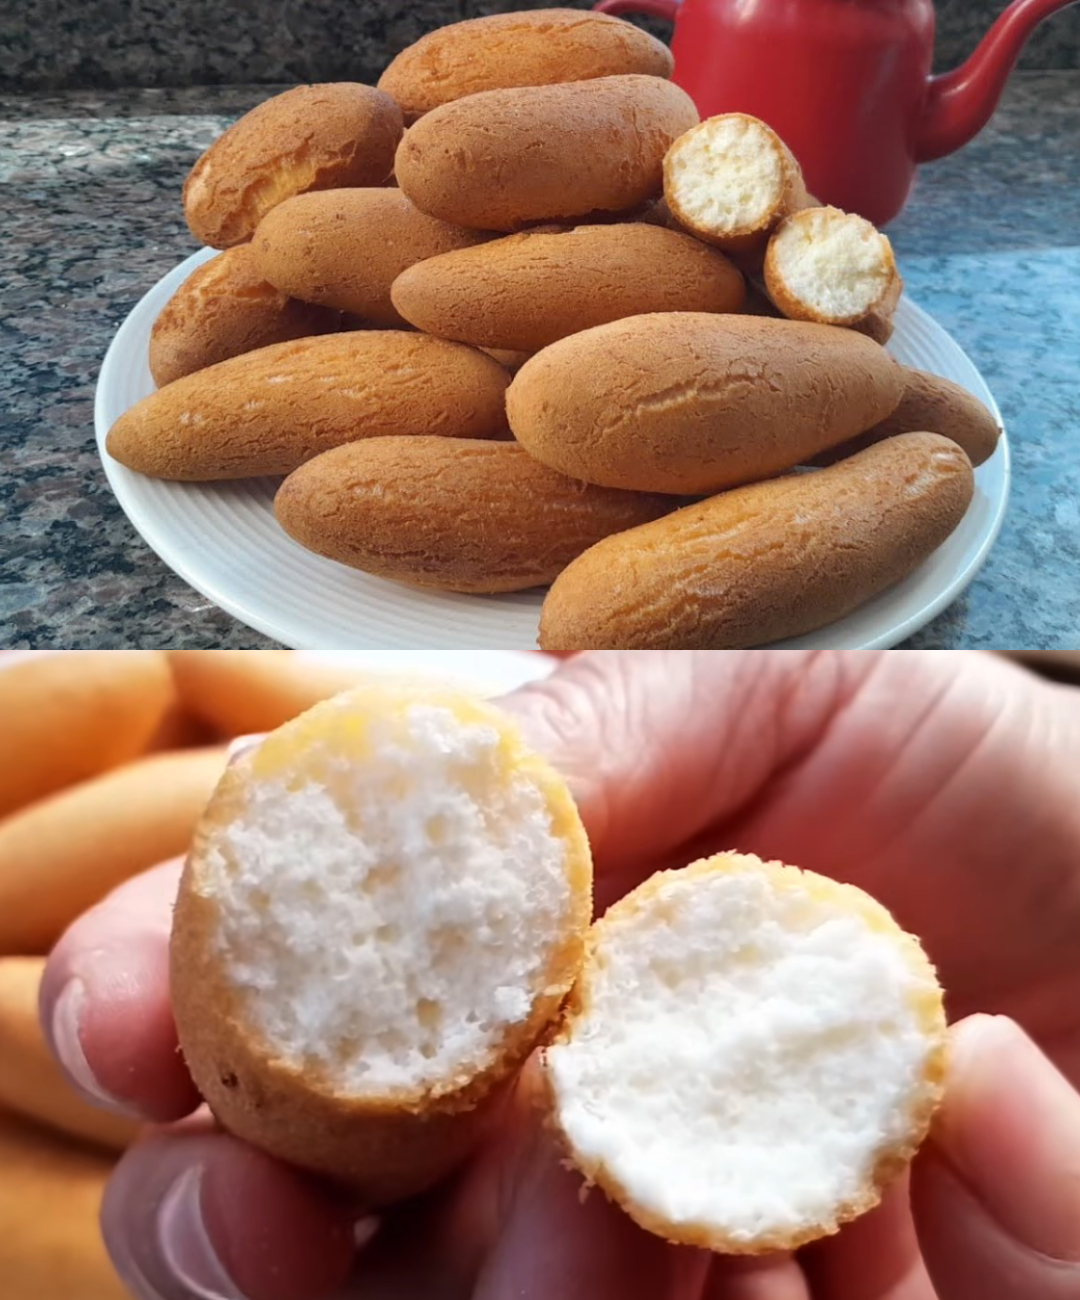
(657, 8)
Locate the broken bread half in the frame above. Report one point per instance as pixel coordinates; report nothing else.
(383, 909)
(833, 267)
(750, 1054)
(730, 181)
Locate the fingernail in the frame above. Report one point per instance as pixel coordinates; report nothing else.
(66, 1028)
(185, 1246)
(239, 746)
(1011, 1129)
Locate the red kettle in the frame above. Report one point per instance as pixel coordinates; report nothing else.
(845, 83)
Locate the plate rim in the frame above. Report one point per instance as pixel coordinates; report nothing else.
(146, 526)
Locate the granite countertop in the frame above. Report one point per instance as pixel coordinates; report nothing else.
(989, 245)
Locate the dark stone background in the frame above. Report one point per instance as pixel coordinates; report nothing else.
(58, 44)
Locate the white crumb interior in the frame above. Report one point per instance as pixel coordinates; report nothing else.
(728, 175)
(744, 1058)
(387, 919)
(834, 262)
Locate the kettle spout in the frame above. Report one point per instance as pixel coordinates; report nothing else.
(959, 104)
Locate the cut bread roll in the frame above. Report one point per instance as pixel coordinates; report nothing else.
(731, 180)
(383, 910)
(751, 1053)
(833, 267)
(31, 1082)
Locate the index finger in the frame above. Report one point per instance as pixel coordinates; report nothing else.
(105, 1005)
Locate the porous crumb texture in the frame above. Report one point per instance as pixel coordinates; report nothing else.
(726, 175)
(750, 1053)
(396, 891)
(829, 265)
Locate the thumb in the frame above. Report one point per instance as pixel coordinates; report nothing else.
(996, 1191)
(658, 747)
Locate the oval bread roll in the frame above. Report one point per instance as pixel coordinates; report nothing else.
(731, 180)
(504, 158)
(308, 138)
(450, 513)
(62, 855)
(834, 267)
(499, 51)
(269, 411)
(31, 1082)
(930, 402)
(66, 715)
(345, 248)
(693, 403)
(789, 1033)
(224, 308)
(526, 291)
(50, 1198)
(764, 562)
(396, 840)
(511, 360)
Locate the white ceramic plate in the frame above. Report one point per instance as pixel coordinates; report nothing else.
(223, 540)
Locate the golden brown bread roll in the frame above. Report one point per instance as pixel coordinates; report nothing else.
(66, 715)
(241, 692)
(224, 308)
(526, 291)
(687, 402)
(764, 562)
(345, 248)
(451, 513)
(826, 265)
(50, 1195)
(731, 180)
(63, 854)
(934, 404)
(399, 840)
(536, 48)
(269, 411)
(308, 138)
(512, 361)
(504, 158)
(31, 1082)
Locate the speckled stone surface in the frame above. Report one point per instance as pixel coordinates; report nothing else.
(49, 44)
(988, 245)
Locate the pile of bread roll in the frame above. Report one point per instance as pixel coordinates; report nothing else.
(107, 760)
(517, 318)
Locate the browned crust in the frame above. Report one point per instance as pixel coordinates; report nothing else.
(764, 562)
(385, 1147)
(344, 248)
(223, 309)
(454, 515)
(309, 138)
(890, 1163)
(876, 321)
(267, 412)
(934, 404)
(98, 709)
(526, 291)
(63, 854)
(502, 51)
(50, 1200)
(692, 403)
(747, 243)
(505, 159)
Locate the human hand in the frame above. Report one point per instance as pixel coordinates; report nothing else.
(943, 784)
